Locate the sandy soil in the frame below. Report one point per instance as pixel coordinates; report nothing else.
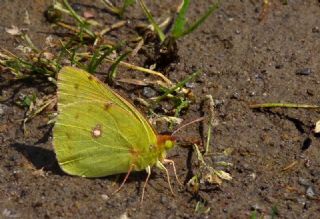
(247, 56)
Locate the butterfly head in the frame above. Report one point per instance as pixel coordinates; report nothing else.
(166, 141)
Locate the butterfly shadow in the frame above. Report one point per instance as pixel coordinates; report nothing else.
(41, 158)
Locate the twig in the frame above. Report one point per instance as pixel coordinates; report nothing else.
(284, 105)
(211, 120)
(145, 70)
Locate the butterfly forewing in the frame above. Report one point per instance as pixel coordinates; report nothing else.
(97, 133)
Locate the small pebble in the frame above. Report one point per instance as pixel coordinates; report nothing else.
(9, 213)
(301, 201)
(172, 205)
(149, 92)
(76, 7)
(256, 207)
(124, 216)
(164, 200)
(218, 102)
(310, 92)
(105, 197)
(236, 96)
(310, 192)
(279, 66)
(252, 93)
(316, 29)
(204, 90)
(304, 71)
(2, 109)
(190, 85)
(253, 176)
(304, 181)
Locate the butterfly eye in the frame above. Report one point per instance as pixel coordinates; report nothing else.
(168, 144)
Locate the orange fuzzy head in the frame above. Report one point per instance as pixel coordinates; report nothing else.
(166, 141)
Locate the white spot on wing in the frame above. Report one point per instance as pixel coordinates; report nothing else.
(96, 131)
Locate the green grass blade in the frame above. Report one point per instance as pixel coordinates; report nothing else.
(118, 10)
(111, 7)
(180, 23)
(92, 62)
(82, 23)
(125, 5)
(73, 13)
(113, 69)
(182, 105)
(284, 105)
(197, 23)
(253, 215)
(179, 85)
(97, 58)
(151, 20)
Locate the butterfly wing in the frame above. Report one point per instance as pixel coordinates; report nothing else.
(97, 132)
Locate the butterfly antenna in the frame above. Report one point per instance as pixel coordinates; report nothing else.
(187, 124)
(124, 180)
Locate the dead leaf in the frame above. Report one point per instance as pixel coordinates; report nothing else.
(26, 19)
(317, 128)
(14, 31)
(88, 14)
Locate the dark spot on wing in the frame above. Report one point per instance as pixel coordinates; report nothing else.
(76, 86)
(134, 152)
(107, 105)
(68, 135)
(152, 147)
(76, 116)
(90, 77)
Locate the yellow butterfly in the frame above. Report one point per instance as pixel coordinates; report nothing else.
(98, 133)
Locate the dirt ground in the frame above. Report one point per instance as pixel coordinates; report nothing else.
(247, 56)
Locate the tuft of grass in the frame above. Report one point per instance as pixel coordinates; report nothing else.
(113, 68)
(86, 46)
(83, 28)
(98, 57)
(253, 215)
(201, 208)
(144, 70)
(83, 24)
(274, 214)
(179, 26)
(118, 10)
(211, 172)
(152, 20)
(35, 107)
(23, 67)
(178, 86)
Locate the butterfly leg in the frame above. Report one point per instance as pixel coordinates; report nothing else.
(162, 167)
(124, 180)
(174, 169)
(148, 169)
